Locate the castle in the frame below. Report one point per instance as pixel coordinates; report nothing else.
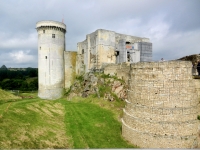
(57, 67)
(163, 98)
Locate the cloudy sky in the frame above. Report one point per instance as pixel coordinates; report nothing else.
(173, 26)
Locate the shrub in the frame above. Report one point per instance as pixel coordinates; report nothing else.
(80, 78)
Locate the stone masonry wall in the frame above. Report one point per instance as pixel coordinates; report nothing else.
(70, 68)
(121, 70)
(162, 106)
(111, 69)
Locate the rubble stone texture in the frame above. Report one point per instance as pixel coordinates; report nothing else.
(162, 106)
(121, 70)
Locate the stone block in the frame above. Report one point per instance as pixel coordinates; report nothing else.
(177, 71)
(185, 64)
(173, 64)
(167, 104)
(185, 83)
(158, 84)
(158, 103)
(163, 64)
(174, 91)
(164, 92)
(149, 102)
(144, 90)
(168, 83)
(166, 111)
(154, 97)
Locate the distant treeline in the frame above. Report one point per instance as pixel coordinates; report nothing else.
(25, 79)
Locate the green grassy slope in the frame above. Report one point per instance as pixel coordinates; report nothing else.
(35, 123)
(7, 96)
(32, 124)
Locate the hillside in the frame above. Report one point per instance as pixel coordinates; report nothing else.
(7, 95)
(42, 124)
(89, 116)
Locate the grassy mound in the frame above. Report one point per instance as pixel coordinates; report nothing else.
(33, 124)
(7, 95)
(79, 123)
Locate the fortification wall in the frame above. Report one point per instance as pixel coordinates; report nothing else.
(70, 68)
(162, 106)
(121, 70)
(111, 69)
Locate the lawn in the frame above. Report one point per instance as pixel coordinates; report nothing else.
(80, 123)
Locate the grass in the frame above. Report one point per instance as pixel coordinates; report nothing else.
(92, 127)
(79, 123)
(4, 95)
(115, 107)
(32, 124)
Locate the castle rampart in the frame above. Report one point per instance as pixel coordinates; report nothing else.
(162, 105)
(121, 70)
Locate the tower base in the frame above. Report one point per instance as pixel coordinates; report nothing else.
(51, 94)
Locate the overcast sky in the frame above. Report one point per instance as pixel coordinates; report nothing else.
(173, 26)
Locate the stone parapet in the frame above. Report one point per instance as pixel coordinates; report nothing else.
(50, 24)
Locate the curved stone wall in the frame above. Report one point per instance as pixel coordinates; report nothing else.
(162, 106)
(51, 46)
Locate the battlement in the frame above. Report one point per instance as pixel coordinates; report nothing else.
(50, 24)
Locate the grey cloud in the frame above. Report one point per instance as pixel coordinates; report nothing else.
(163, 21)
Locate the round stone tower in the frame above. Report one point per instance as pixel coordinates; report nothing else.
(162, 106)
(51, 47)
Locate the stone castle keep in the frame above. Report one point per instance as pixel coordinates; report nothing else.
(163, 98)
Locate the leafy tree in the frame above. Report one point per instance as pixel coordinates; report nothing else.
(3, 67)
(24, 86)
(33, 85)
(3, 74)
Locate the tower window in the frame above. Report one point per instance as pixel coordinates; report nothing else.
(82, 51)
(43, 31)
(53, 35)
(45, 57)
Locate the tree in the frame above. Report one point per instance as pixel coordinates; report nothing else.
(3, 67)
(33, 85)
(24, 86)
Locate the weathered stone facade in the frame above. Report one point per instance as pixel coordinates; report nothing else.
(108, 47)
(162, 106)
(121, 70)
(70, 67)
(51, 47)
